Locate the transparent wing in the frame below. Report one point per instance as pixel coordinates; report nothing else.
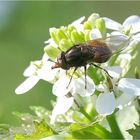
(116, 43)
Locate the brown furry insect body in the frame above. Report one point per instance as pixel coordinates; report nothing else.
(91, 52)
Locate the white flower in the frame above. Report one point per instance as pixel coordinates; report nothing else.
(114, 71)
(60, 86)
(63, 104)
(124, 61)
(107, 102)
(78, 24)
(37, 70)
(130, 88)
(77, 86)
(131, 24)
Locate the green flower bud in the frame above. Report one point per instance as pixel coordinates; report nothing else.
(82, 36)
(87, 35)
(64, 44)
(52, 52)
(127, 30)
(92, 18)
(76, 37)
(71, 28)
(53, 35)
(60, 34)
(87, 25)
(100, 24)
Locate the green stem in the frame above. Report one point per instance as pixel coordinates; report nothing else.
(112, 61)
(82, 110)
(97, 129)
(100, 131)
(114, 127)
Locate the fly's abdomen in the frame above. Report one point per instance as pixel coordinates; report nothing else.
(101, 54)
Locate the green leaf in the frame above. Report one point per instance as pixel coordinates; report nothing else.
(41, 130)
(79, 117)
(95, 131)
(135, 132)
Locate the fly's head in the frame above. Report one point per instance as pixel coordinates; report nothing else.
(61, 62)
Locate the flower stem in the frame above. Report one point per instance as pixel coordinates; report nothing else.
(114, 127)
(82, 110)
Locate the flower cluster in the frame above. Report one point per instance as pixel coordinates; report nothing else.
(109, 92)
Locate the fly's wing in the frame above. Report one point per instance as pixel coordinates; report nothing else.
(116, 43)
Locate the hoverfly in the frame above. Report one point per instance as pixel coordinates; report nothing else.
(91, 52)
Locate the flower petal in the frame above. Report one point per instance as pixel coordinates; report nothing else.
(114, 71)
(100, 88)
(77, 24)
(113, 25)
(130, 86)
(60, 87)
(46, 72)
(63, 104)
(45, 57)
(124, 100)
(95, 33)
(30, 70)
(116, 33)
(137, 37)
(28, 84)
(134, 22)
(78, 21)
(105, 104)
(79, 85)
(131, 20)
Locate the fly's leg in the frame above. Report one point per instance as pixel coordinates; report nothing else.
(109, 77)
(71, 77)
(85, 68)
(102, 69)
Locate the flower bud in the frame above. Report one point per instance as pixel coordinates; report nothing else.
(87, 25)
(100, 24)
(53, 35)
(52, 52)
(60, 34)
(87, 35)
(76, 37)
(64, 44)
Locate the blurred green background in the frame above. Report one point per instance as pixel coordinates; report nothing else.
(24, 26)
